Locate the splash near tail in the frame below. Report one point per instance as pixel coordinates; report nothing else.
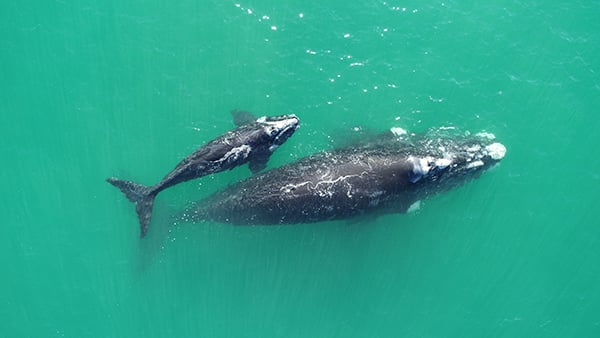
(142, 196)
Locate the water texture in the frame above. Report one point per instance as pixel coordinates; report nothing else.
(127, 88)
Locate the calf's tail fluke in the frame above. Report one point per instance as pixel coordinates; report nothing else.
(142, 196)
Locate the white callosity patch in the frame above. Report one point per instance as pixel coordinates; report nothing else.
(276, 125)
(442, 163)
(421, 167)
(277, 128)
(474, 164)
(474, 149)
(474, 153)
(496, 150)
(236, 154)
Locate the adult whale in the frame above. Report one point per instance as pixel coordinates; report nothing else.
(388, 175)
(252, 142)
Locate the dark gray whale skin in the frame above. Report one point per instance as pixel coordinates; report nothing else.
(252, 142)
(385, 176)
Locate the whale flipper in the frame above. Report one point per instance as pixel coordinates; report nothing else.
(257, 164)
(241, 117)
(142, 196)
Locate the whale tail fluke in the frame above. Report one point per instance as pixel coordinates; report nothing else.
(143, 197)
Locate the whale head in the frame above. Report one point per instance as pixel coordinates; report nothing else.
(448, 162)
(275, 130)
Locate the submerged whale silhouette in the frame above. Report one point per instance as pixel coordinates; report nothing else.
(252, 142)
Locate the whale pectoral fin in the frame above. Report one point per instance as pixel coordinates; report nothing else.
(407, 206)
(258, 163)
(241, 117)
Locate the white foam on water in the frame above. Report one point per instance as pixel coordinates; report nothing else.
(398, 131)
(489, 136)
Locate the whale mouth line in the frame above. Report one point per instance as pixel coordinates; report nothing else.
(286, 131)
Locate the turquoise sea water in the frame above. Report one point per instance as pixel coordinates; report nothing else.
(97, 89)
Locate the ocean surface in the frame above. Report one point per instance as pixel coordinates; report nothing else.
(93, 89)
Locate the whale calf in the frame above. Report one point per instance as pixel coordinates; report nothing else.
(252, 142)
(388, 175)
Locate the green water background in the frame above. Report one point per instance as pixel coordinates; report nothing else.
(127, 88)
